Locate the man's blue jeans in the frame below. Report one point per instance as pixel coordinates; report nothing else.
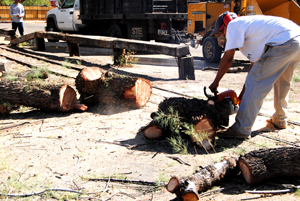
(18, 25)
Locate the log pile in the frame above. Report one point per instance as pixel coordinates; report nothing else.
(256, 167)
(205, 116)
(97, 87)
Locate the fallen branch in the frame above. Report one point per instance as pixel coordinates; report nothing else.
(271, 192)
(148, 183)
(187, 188)
(38, 193)
(179, 160)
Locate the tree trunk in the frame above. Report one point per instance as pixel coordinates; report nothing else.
(258, 166)
(187, 188)
(115, 89)
(49, 98)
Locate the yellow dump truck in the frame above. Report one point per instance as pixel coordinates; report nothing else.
(201, 18)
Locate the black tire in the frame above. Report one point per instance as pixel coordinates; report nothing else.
(51, 27)
(115, 31)
(211, 50)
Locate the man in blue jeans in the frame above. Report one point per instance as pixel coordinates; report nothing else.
(272, 44)
(17, 13)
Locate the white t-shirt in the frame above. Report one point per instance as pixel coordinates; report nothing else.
(251, 34)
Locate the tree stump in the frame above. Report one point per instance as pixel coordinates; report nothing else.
(187, 188)
(110, 88)
(30, 94)
(261, 165)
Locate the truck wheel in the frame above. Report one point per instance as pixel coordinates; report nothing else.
(51, 27)
(115, 31)
(211, 50)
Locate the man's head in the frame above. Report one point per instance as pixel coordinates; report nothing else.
(221, 23)
(17, 1)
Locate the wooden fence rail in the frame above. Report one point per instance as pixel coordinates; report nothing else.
(181, 52)
(31, 13)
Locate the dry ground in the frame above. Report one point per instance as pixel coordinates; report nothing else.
(41, 150)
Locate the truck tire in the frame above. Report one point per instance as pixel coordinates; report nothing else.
(211, 50)
(51, 27)
(115, 31)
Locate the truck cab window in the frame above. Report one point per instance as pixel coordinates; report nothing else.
(68, 4)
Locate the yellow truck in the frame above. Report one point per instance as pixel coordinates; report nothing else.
(202, 16)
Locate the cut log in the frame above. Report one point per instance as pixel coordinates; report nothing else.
(193, 110)
(108, 88)
(261, 165)
(3, 109)
(187, 188)
(30, 94)
(206, 116)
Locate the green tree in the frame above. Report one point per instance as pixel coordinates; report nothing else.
(26, 2)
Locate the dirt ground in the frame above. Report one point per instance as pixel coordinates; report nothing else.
(40, 150)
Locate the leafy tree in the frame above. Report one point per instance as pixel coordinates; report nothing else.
(26, 2)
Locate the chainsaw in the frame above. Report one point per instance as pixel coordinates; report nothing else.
(229, 95)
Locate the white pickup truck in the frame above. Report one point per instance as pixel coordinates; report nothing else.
(65, 17)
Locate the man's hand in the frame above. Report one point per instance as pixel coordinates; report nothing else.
(214, 86)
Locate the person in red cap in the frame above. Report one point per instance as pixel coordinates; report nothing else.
(272, 44)
(17, 13)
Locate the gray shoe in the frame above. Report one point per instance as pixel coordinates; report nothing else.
(230, 133)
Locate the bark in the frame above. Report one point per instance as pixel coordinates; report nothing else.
(206, 116)
(194, 110)
(187, 188)
(258, 166)
(113, 89)
(31, 94)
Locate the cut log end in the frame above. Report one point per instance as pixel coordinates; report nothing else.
(246, 172)
(173, 184)
(67, 98)
(90, 74)
(190, 196)
(205, 127)
(3, 109)
(141, 92)
(153, 132)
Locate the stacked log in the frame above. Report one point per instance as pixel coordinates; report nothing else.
(206, 116)
(98, 88)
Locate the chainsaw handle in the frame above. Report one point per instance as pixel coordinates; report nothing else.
(215, 94)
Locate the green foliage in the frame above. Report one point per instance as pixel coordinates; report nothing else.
(67, 63)
(37, 74)
(11, 78)
(26, 2)
(127, 59)
(162, 179)
(169, 121)
(297, 192)
(178, 144)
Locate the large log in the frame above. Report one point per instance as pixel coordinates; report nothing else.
(206, 116)
(187, 188)
(108, 88)
(261, 165)
(32, 94)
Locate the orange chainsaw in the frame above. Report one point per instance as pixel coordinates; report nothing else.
(228, 95)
